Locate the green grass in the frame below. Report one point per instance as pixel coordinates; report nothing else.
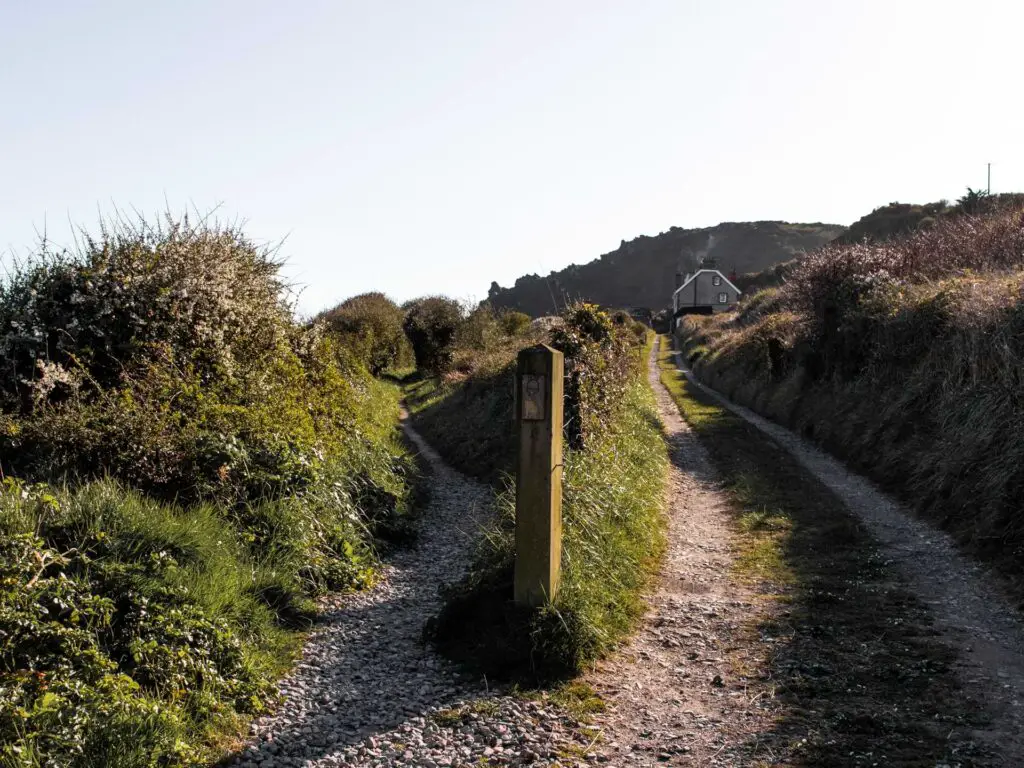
(134, 632)
(137, 632)
(579, 700)
(613, 540)
(855, 672)
(469, 420)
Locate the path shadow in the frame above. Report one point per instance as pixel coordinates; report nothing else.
(851, 668)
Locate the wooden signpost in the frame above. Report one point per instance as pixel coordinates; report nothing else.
(539, 478)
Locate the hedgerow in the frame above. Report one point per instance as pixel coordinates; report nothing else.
(903, 358)
(194, 467)
(370, 326)
(432, 325)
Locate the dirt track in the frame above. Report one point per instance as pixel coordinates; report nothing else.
(695, 686)
(665, 689)
(678, 693)
(968, 605)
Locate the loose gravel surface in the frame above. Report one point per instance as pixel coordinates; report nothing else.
(367, 692)
(670, 692)
(970, 609)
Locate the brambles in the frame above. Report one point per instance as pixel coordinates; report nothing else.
(599, 362)
(205, 293)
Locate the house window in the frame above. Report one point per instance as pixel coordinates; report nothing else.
(716, 280)
(723, 298)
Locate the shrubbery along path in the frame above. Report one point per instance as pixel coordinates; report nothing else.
(227, 464)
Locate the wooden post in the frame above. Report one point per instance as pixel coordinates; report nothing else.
(539, 375)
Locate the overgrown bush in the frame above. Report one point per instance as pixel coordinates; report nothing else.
(514, 323)
(71, 321)
(167, 358)
(902, 358)
(370, 326)
(431, 325)
(479, 332)
(599, 356)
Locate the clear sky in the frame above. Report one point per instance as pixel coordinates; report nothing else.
(419, 147)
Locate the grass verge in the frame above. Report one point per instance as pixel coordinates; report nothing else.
(850, 663)
(469, 421)
(613, 539)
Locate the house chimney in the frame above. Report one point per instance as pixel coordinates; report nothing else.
(679, 279)
(708, 263)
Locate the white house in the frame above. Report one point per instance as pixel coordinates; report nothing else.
(704, 292)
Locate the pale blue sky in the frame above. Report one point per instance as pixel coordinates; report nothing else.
(421, 147)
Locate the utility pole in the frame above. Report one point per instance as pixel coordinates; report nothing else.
(988, 190)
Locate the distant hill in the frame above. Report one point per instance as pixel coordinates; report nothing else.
(641, 272)
(894, 220)
(900, 219)
(890, 222)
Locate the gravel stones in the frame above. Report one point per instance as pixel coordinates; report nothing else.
(368, 692)
(668, 702)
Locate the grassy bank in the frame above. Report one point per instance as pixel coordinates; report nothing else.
(904, 359)
(614, 474)
(186, 467)
(846, 659)
(468, 418)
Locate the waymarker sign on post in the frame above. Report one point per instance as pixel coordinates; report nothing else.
(539, 373)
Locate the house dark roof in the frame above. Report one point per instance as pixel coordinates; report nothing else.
(693, 277)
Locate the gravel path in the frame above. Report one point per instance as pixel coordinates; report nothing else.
(672, 694)
(367, 692)
(969, 607)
